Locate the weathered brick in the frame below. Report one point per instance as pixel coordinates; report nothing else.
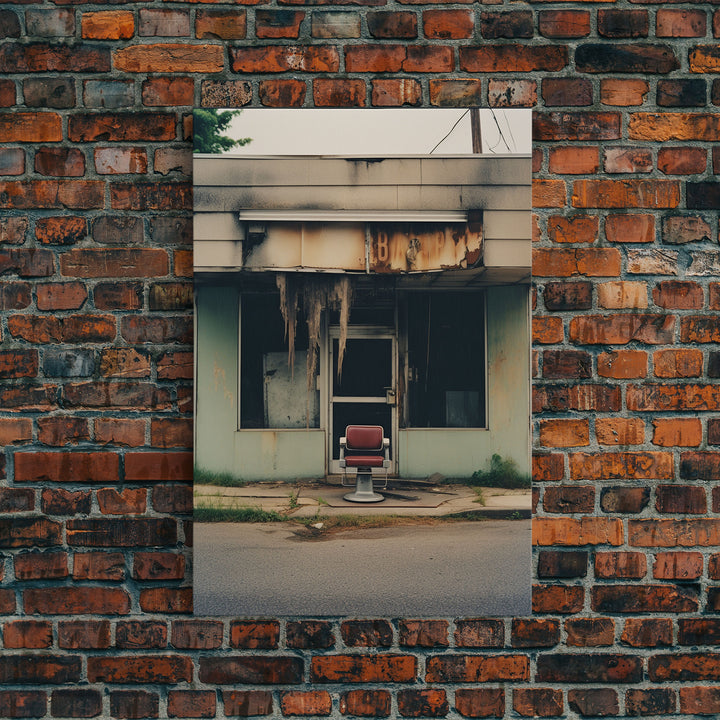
(254, 635)
(139, 669)
(98, 566)
(562, 564)
(113, 160)
(44, 57)
(108, 25)
(76, 601)
(512, 58)
(395, 92)
(535, 633)
(647, 632)
(57, 501)
(566, 364)
(480, 702)
(38, 669)
(538, 702)
(668, 533)
(135, 704)
(590, 632)
(221, 24)
(247, 702)
(84, 634)
(158, 566)
(563, 499)
(567, 295)
(234, 669)
(61, 296)
(365, 703)
(477, 668)
(564, 433)
(654, 701)
(169, 57)
(589, 668)
(420, 633)
(479, 633)
(111, 94)
(623, 23)
(310, 702)
(140, 634)
(60, 430)
(447, 24)
(620, 431)
(557, 599)
(197, 634)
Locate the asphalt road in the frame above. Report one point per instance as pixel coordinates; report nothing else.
(466, 569)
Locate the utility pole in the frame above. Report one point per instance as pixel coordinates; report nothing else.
(475, 128)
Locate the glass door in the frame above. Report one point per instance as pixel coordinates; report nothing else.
(364, 393)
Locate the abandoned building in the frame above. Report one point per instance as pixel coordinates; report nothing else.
(333, 291)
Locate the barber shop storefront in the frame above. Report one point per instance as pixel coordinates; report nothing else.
(341, 291)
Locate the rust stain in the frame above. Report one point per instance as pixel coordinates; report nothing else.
(403, 247)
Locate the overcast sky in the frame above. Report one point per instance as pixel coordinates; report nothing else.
(379, 131)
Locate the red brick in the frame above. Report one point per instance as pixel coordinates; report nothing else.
(197, 634)
(678, 397)
(569, 499)
(677, 566)
(567, 295)
(170, 58)
(392, 92)
(628, 193)
(174, 499)
(139, 669)
(454, 93)
(247, 702)
(60, 162)
(574, 92)
(166, 600)
(479, 633)
(121, 127)
(14, 295)
(365, 703)
(163, 23)
(52, 195)
(698, 631)
(538, 702)
(564, 433)
(61, 430)
(420, 633)
(18, 363)
(512, 93)
(124, 431)
(680, 23)
(547, 330)
(140, 634)
(158, 566)
(422, 703)
(621, 329)
(140, 467)
(284, 58)
(221, 24)
(84, 634)
(617, 92)
(254, 635)
(681, 499)
(662, 127)
(590, 667)
(668, 533)
(114, 160)
(590, 632)
(108, 25)
(366, 633)
(30, 127)
(23, 703)
(627, 160)
(41, 565)
(126, 262)
(477, 668)
(599, 702)
(651, 632)
(118, 296)
(66, 467)
(27, 634)
(577, 531)
(61, 296)
(480, 702)
(654, 701)
(363, 668)
(98, 566)
(564, 23)
(447, 24)
(191, 703)
(512, 58)
(700, 329)
(235, 669)
(678, 295)
(124, 362)
(557, 599)
(136, 704)
(620, 431)
(672, 432)
(57, 501)
(282, 93)
(593, 262)
(535, 633)
(16, 500)
(167, 91)
(128, 502)
(681, 160)
(151, 196)
(577, 228)
(562, 564)
(310, 702)
(46, 57)
(548, 193)
(76, 601)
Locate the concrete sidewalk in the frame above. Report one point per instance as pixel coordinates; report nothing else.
(304, 499)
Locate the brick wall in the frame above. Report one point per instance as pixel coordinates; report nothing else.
(96, 361)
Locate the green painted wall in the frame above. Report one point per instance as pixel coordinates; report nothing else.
(459, 452)
(291, 454)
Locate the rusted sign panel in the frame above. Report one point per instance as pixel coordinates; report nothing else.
(403, 247)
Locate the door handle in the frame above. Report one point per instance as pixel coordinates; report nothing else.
(390, 395)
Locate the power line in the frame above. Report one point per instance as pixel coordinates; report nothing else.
(450, 131)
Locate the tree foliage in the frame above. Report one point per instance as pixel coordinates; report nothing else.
(208, 126)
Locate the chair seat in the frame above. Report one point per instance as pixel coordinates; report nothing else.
(364, 461)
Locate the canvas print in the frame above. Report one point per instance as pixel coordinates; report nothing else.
(362, 362)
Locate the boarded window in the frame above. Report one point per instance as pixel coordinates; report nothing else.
(446, 359)
(273, 394)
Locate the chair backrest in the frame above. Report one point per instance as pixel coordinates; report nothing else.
(364, 437)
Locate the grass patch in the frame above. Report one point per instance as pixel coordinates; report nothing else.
(223, 479)
(501, 474)
(206, 514)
